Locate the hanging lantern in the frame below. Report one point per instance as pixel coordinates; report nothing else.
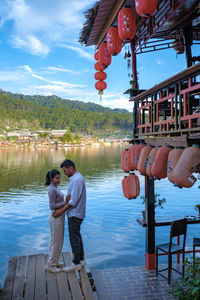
(159, 166)
(104, 55)
(99, 67)
(100, 85)
(96, 55)
(126, 23)
(143, 159)
(187, 165)
(151, 159)
(100, 75)
(145, 8)
(173, 159)
(124, 160)
(131, 186)
(114, 44)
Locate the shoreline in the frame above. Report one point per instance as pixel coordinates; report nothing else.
(56, 146)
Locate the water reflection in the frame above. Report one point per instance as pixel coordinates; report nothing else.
(23, 168)
(111, 234)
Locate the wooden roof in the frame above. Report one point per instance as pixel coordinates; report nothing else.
(106, 15)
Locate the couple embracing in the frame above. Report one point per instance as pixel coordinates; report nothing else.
(75, 205)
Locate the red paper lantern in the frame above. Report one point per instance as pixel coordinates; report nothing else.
(114, 44)
(100, 75)
(126, 23)
(100, 85)
(99, 67)
(145, 8)
(104, 55)
(96, 55)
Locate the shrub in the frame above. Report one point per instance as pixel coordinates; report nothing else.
(188, 288)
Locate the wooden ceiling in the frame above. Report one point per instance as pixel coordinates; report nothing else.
(187, 13)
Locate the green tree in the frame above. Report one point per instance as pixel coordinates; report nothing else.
(67, 137)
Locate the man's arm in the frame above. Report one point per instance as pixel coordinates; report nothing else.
(60, 211)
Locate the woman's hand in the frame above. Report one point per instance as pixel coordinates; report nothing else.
(57, 213)
(68, 197)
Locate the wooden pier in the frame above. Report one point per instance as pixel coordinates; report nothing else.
(26, 279)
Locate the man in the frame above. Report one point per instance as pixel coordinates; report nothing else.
(75, 208)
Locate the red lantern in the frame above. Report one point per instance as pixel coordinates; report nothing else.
(100, 85)
(96, 55)
(114, 44)
(104, 55)
(99, 67)
(100, 75)
(126, 23)
(145, 8)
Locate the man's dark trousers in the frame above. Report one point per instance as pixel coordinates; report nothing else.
(74, 225)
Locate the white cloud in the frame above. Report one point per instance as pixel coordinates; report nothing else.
(61, 69)
(39, 77)
(80, 51)
(32, 44)
(40, 25)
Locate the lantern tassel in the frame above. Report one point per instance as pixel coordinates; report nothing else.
(100, 94)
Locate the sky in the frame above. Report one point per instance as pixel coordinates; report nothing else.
(40, 55)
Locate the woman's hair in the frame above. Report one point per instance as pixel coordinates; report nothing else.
(50, 175)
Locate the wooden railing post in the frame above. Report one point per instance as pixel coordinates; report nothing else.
(150, 220)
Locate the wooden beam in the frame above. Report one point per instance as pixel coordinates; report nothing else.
(110, 20)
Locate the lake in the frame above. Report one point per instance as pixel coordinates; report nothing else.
(111, 235)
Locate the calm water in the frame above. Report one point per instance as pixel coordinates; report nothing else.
(110, 232)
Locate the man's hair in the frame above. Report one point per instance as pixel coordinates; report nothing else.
(67, 163)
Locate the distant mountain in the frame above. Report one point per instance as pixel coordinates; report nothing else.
(52, 112)
(55, 101)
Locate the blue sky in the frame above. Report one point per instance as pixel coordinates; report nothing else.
(40, 54)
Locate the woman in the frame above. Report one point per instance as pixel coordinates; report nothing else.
(56, 200)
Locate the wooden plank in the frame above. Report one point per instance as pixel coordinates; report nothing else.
(100, 285)
(18, 288)
(30, 278)
(118, 4)
(63, 286)
(40, 279)
(9, 280)
(72, 278)
(172, 141)
(52, 288)
(85, 284)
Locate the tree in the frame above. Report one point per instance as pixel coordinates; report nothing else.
(67, 137)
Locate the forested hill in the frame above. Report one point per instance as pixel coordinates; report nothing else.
(52, 112)
(54, 101)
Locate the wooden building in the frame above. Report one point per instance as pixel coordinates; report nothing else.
(169, 112)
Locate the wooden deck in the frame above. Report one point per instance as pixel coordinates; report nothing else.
(27, 279)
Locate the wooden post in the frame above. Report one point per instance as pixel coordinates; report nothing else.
(135, 118)
(187, 31)
(134, 63)
(150, 220)
(152, 112)
(180, 108)
(176, 90)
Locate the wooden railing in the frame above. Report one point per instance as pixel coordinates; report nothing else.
(171, 107)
